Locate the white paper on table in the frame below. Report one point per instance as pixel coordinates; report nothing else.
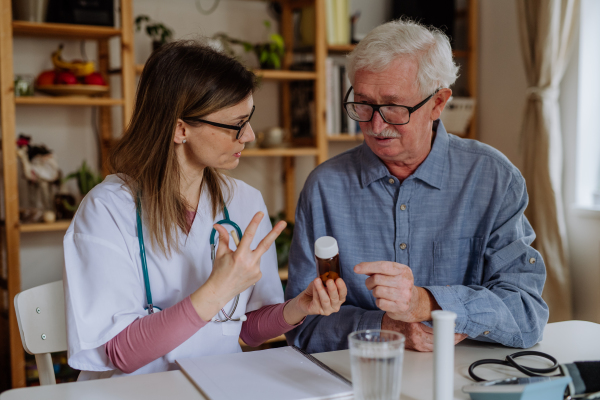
(273, 374)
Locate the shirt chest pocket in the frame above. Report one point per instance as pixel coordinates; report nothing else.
(457, 262)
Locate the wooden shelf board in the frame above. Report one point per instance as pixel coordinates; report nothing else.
(27, 28)
(269, 74)
(68, 101)
(345, 138)
(460, 53)
(281, 152)
(283, 273)
(45, 227)
(340, 48)
(281, 75)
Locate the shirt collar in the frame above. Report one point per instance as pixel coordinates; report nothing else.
(431, 171)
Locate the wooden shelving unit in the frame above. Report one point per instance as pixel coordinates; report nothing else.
(340, 48)
(346, 138)
(79, 32)
(68, 101)
(45, 227)
(12, 228)
(281, 152)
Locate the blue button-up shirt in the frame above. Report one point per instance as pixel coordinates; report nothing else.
(457, 222)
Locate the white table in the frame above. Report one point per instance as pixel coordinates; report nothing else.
(566, 341)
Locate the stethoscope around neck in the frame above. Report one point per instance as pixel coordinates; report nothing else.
(226, 221)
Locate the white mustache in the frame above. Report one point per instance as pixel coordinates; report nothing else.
(386, 133)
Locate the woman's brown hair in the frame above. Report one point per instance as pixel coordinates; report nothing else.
(180, 80)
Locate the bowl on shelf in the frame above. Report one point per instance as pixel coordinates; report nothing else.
(72, 90)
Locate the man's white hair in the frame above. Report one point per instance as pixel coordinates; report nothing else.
(407, 39)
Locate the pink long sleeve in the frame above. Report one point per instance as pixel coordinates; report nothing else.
(153, 336)
(265, 323)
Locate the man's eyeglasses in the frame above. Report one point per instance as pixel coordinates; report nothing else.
(239, 128)
(391, 113)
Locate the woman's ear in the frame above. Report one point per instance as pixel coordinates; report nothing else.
(440, 99)
(180, 132)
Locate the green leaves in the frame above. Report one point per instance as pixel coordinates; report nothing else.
(157, 31)
(86, 178)
(269, 54)
(284, 240)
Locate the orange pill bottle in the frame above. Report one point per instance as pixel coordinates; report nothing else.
(328, 258)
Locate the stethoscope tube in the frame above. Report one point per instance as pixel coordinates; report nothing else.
(226, 220)
(143, 256)
(213, 251)
(510, 362)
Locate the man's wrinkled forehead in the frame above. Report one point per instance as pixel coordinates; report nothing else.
(397, 82)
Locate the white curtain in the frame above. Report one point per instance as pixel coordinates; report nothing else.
(546, 30)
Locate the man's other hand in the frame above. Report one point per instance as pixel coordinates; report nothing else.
(392, 285)
(419, 337)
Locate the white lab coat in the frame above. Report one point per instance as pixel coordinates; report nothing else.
(104, 286)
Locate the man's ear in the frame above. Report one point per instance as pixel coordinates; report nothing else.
(180, 132)
(440, 99)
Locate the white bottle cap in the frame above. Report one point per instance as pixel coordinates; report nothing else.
(326, 247)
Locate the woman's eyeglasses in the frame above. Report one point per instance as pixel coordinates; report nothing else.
(239, 128)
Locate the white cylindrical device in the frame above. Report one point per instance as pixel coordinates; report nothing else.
(443, 354)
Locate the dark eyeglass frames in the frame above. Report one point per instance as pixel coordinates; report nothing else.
(392, 114)
(238, 128)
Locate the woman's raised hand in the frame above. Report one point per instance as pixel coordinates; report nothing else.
(233, 271)
(316, 299)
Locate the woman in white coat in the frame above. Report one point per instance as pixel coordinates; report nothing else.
(191, 119)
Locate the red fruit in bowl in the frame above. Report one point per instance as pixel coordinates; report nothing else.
(46, 78)
(66, 78)
(95, 78)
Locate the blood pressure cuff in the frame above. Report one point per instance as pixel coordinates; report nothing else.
(585, 376)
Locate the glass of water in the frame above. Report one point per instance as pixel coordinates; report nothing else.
(376, 359)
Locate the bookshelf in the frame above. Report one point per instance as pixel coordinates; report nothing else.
(10, 282)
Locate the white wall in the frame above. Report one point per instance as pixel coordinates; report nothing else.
(502, 82)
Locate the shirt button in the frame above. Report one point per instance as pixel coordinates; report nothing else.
(532, 260)
(403, 207)
(391, 181)
(486, 333)
(403, 246)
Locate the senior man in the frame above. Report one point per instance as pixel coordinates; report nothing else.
(424, 220)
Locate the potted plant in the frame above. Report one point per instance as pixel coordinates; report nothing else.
(269, 53)
(159, 33)
(86, 180)
(283, 241)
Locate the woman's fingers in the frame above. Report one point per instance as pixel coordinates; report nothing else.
(223, 247)
(268, 240)
(250, 231)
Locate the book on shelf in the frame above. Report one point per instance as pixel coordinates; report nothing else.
(337, 120)
(337, 17)
(302, 101)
